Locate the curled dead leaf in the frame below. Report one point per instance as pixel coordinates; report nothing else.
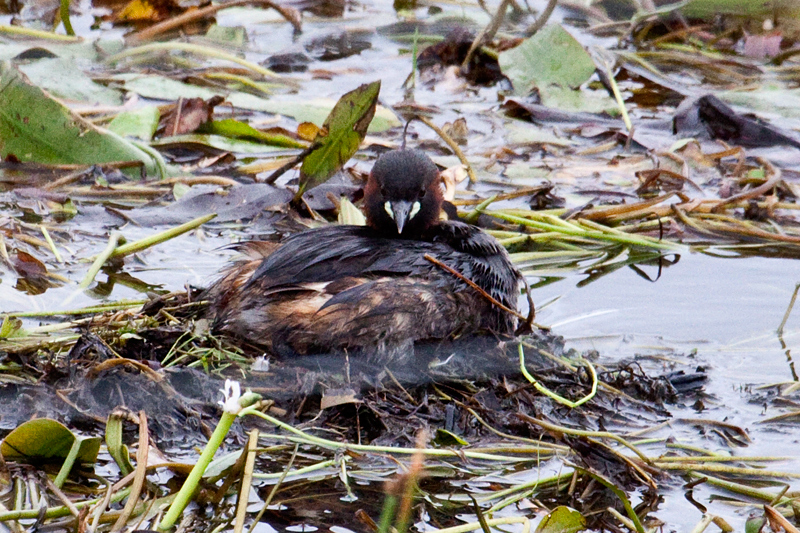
(451, 177)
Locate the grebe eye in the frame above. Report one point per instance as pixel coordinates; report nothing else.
(422, 193)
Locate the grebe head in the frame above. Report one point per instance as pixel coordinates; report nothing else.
(403, 195)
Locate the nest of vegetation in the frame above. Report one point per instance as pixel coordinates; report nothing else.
(481, 433)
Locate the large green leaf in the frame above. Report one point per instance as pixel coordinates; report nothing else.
(36, 127)
(344, 129)
(63, 79)
(43, 439)
(551, 57)
(562, 519)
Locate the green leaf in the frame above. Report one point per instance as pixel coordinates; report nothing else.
(43, 439)
(551, 57)
(12, 327)
(745, 8)
(755, 524)
(116, 448)
(235, 129)
(140, 123)
(35, 127)
(314, 110)
(585, 100)
(448, 438)
(307, 110)
(346, 127)
(776, 99)
(226, 144)
(161, 88)
(232, 36)
(562, 519)
(62, 78)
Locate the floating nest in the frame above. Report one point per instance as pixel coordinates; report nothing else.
(350, 426)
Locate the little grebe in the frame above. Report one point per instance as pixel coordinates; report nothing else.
(369, 290)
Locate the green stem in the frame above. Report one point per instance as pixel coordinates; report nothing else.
(58, 512)
(194, 49)
(64, 12)
(190, 485)
(115, 306)
(325, 443)
(552, 395)
(38, 34)
(101, 259)
(51, 244)
(158, 238)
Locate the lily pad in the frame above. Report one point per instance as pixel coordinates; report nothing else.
(242, 202)
(36, 127)
(551, 57)
(521, 134)
(584, 100)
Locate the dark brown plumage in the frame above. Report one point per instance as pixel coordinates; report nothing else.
(369, 291)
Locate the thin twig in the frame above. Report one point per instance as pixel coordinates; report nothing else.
(178, 111)
(247, 482)
(475, 286)
(292, 162)
(527, 327)
(268, 501)
(139, 474)
(585, 433)
(486, 34)
(542, 20)
(289, 13)
(191, 48)
(452, 144)
(788, 310)
(70, 178)
(775, 177)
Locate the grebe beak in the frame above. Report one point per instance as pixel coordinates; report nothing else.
(400, 213)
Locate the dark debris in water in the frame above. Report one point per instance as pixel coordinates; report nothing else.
(103, 369)
(470, 398)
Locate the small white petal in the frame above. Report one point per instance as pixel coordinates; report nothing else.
(231, 394)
